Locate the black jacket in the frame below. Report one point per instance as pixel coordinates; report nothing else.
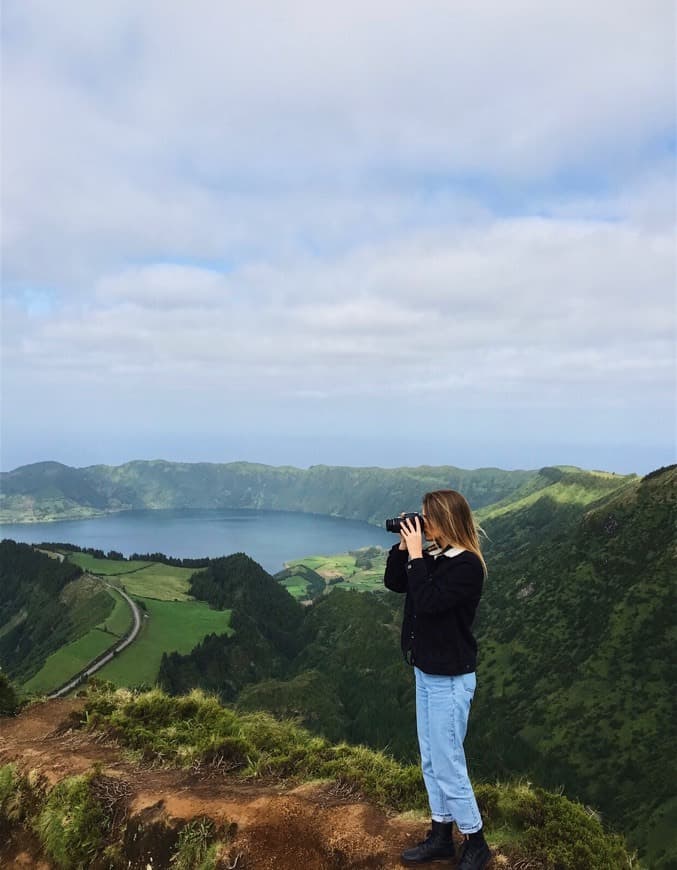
(442, 597)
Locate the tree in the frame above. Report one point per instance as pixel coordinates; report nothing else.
(9, 701)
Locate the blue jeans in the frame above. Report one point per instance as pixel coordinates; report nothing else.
(442, 709)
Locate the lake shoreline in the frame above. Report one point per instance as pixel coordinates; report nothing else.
(273, 538)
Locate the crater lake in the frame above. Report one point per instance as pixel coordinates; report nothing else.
(270, 537)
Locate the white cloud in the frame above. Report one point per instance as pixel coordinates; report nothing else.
(149, 130)
(462, 200)
(523, 303)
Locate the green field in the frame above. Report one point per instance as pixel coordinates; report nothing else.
(72, 657)
(146, 579)
(105, 566)
(340, 570)
(296, 586)
(120, 620)
(171, 626)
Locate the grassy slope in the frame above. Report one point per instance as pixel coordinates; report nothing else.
(563, 484)
(171, 626)
(175, 623)
(343, 570)
(72, 657)
(577, 650)
(531, 827)
(146, 579)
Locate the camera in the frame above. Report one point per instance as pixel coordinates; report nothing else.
(393, 525)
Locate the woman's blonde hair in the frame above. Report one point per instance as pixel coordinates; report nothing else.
(450, 513)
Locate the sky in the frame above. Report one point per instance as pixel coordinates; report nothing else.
(367, 233)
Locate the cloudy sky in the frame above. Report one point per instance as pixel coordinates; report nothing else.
(367, 232)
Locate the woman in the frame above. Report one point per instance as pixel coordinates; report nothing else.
(443, 586)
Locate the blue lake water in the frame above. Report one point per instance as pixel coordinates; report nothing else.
(270, 537)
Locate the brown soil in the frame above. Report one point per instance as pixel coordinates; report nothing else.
(271, 826)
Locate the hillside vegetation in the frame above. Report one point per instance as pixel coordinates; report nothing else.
(577, 621)
(44, 605)
(576, 630)
(84, 820)
(49, 490)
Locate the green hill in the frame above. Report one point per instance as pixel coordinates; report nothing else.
(576, 635)
(44, 604)
(49, 490)
(576, 629)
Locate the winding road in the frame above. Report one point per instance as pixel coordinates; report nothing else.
(104, 658)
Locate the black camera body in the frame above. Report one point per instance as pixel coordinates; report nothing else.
(394, 524)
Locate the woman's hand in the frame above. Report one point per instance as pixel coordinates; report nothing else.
(412, 535)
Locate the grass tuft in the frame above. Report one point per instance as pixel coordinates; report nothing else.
(527, 823)
(72, 825)
(196, 849)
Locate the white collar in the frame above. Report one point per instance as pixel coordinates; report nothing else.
(450, 552)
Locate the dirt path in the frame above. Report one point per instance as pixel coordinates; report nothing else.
(312, 826)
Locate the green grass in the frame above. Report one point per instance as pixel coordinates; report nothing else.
(164, 582)
(341, 565)
(105, 566)
(147, 579)
(296, 591)
(72, 823)
(572, 491)
(171, 626)
(72, 657)
(120, 620)
(529, 824)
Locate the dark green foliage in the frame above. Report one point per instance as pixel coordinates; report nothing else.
(239, 583)
(556, 833)
(170, 560)
(309, 698)
(577, 653)
(266, 622)
(353, 641)
(9, 702)
(21, 568)
(224, 664)
(364, 558)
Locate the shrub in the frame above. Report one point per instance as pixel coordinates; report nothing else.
(548, 830)
(556, 833)
(21, 797)
(72, 824)
(9, 701)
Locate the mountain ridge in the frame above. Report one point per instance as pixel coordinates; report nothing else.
(49, 490)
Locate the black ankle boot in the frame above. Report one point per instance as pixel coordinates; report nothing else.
(475, 854)
(437, 846)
